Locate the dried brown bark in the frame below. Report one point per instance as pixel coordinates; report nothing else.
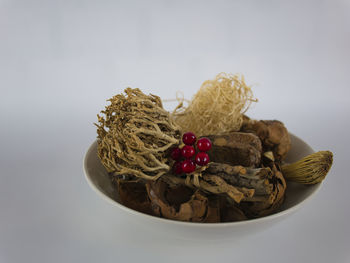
(230, 212)
(224, 193)
(269, 203)
(268, 184)
(191, 207)
(273, 135)
(239, 176)
(211, 184)
(236, 148)
(134, 195)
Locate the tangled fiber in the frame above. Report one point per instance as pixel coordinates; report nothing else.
(135, 135)
(217, 107)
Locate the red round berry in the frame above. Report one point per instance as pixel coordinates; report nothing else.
(176, 153)
(204, 144)
(189, 138)
(188, 166)
(202, 158)
(188, 151)
(177, 168)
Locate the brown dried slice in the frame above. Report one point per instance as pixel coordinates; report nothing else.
(192, 206)
(134, 195)
(239, 176)
(273, 135)
(231, 213)
(211, 184)
(214, 210)
(269, 203)
(236, 148)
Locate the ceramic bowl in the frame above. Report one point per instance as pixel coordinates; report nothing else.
(296, 197)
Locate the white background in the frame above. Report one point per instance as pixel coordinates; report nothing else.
(61, 60)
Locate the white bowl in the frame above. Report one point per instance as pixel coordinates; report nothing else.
(296, 195)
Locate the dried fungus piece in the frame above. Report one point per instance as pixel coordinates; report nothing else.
(236, 148)
(135, 135)
(273, 135)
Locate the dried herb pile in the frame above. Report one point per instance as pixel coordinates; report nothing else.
(244, 178)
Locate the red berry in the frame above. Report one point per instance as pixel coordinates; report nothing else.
(188, 166)
(177, 167)
(204, 144)
(202, 158)
(176, 153)
(188, 151)
(189, 138)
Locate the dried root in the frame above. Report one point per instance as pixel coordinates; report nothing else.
(311, 169)
(273, 135)
(135, 135)
(217, 107)
(243, 179)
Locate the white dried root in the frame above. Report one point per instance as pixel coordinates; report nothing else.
(217, 107)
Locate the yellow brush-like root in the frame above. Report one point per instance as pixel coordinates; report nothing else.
(311, 169)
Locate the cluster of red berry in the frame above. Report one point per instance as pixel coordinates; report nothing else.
(188, 165)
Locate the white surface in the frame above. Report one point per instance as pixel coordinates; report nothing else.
(60, 61)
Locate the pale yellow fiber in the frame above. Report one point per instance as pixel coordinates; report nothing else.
(218, 106)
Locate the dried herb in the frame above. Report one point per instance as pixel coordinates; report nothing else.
(244, 179)
(236, 148)
(217, 107)
(135, 135)
(311, 169)
(273, 135)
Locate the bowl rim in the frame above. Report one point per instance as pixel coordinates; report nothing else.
(193, 224)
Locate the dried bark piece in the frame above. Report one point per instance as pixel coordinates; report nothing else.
(239, 176)
(212, 184)
(236, 148)
(230, 212)
(191, 208)
(134, 195)
(272, 133)
(186, 204)
(270, 203)
(213, 211)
